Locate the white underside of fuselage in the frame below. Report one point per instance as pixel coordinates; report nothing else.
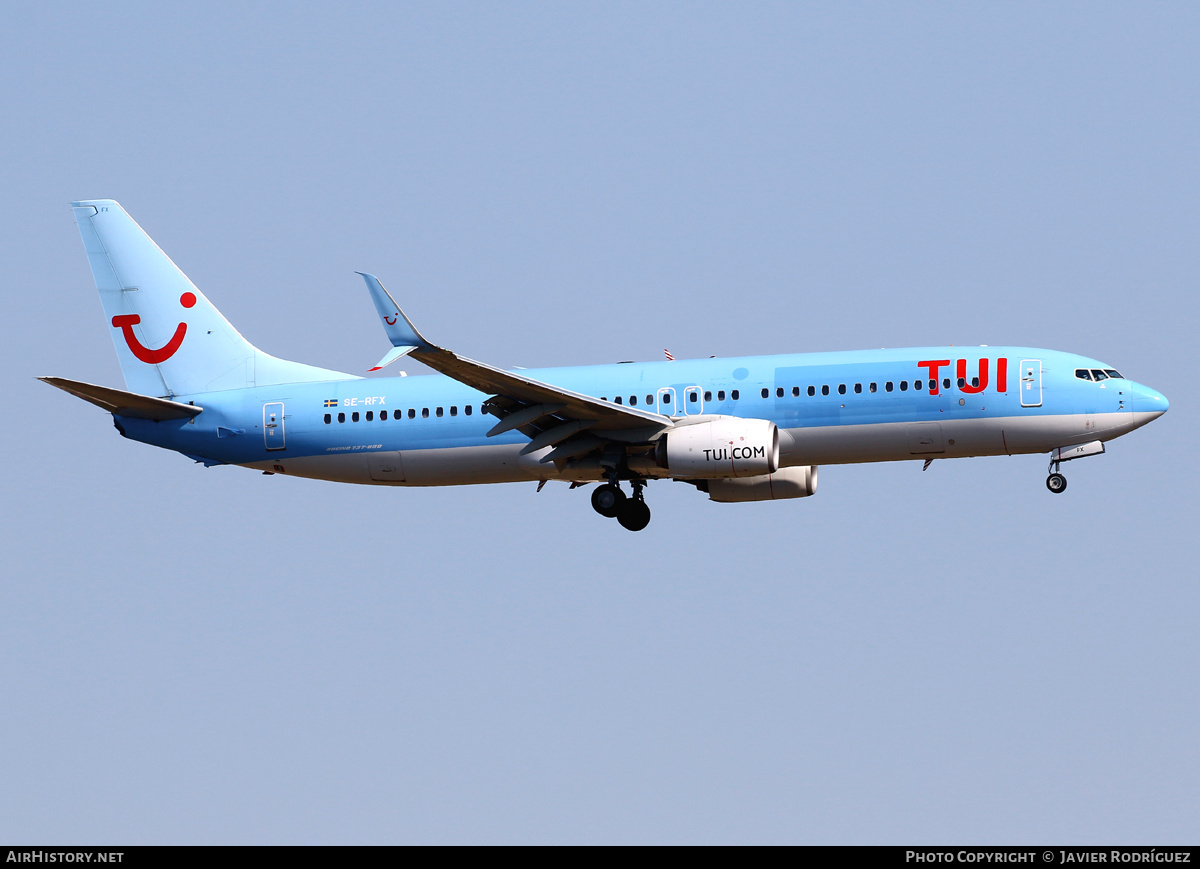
(825, 445)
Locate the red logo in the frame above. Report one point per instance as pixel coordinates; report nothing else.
(391, 321)
(960, 369)
(126, 322)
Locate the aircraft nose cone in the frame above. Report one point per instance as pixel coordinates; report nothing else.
(1149, 401)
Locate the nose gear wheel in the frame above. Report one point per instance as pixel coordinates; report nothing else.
(1056, 482)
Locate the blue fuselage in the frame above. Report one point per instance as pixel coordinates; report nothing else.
(855, 393)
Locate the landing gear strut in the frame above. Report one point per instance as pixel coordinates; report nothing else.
(1056, 482)
(630, 511)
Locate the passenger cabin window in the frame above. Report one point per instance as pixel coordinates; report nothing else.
(650, 399)
(370, 416)
(812, 390)
(779, 392)
(961, 383)
(946, 383)
(874, 387)
(904, 386)
(720, 395)
(887, 387)
(633, 401)
(619, 400)
(693, 396)
(412, 413)
(765, 392)
(424, 413)
(975, 382)
(341, 417)
(354, 416)
(438, 411)
(1098, 375)
(735, 395)
(454, 410)
(328, 419)
(707, 396)
(795, 392)
(841, 389)
(383, 415)
(858, 389)
(467, 410)
(825, 389)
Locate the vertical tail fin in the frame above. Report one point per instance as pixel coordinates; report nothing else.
(170, 339)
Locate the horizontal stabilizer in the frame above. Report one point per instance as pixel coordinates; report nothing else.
(122, 403)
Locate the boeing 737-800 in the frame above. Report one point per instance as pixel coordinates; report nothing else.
(753, 428)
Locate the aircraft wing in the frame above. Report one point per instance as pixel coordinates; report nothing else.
(548, 414)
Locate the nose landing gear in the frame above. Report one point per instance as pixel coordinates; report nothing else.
(630, 511)
(1056, 482)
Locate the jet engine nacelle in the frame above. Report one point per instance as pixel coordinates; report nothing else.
(785, 483)
(726, 447)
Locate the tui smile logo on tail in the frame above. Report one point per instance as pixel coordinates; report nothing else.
(126, 322)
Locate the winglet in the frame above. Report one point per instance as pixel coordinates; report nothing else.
(400, 330)
(392, 355)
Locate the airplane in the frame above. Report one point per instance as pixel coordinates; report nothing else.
(752, 428)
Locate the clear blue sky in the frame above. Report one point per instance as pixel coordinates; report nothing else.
(191, 655)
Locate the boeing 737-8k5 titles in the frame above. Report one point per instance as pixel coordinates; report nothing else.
(747, 429)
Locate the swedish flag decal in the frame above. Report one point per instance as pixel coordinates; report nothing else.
(331, 402)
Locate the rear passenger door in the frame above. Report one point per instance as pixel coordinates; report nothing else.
(273, 434)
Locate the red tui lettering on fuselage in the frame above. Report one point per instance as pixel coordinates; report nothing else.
(933, 366)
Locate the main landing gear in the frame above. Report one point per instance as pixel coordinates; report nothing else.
(1056, 482)
(630, 511)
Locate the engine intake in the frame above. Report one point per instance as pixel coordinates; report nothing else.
(726, 447)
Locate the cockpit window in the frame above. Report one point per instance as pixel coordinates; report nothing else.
(1111, 372)
(1083, 374)
(1097, 374)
